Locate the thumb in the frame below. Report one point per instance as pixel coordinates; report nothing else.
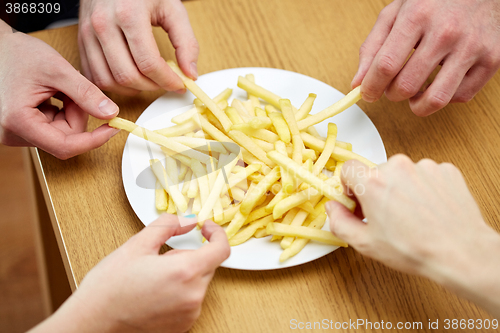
(150, 239)
(85, 94)
(345, 224)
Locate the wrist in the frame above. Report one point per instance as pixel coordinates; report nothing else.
(471, 268)
(5, 28)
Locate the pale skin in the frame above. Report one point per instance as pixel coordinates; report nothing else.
(135, 289)
(421, 219)
(119, 53)
(461, 35)
(31, 72)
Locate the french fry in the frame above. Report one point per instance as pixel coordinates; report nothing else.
(234, 116)
(247, 143)
(323, 236)
(289, 217)
(260, 189)
(187, 182)
(193, 191)
(157, 138)
(203, 181)
(196, 205)
(209, 103)
(327, 151)
(260, 92)
(177, 130)
(248, 232)
(216, 190)
(318, 144)
(243, 174)
(171, 209)
(328, 191)
(298, 145)
(167, 183)
(253, 99)
(260, 233)
(281, 127)
(306, 107)
(350, 99)
(222, 96)
(161, 197)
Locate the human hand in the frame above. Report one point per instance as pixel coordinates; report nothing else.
(421, 219)
(136, 289)
(118, 50)
(31, 72)
(462, 35)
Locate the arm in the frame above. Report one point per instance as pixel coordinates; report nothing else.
(135, 289)
(461, 35)
(422, 220)
(118, 50)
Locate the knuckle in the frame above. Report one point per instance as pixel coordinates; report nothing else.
(407, 88)
(126, 79)
(148, 65)
(186, 274)
(85, 90)
(448, 32)
(463, 97)
(103, 83)
(124, 14)
(99, 22)
(450, 169)
(386, 65)
(194, 301)
(438, 100)
(401, 161)
(85, 29)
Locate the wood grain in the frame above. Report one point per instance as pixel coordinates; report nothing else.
(321, 39)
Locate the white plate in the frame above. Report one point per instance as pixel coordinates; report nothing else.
(256, 254)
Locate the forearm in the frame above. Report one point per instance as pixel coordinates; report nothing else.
(471, 271)
(75, 316)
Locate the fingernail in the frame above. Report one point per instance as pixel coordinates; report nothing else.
(115, 132)
(194, 70)
(108, 108)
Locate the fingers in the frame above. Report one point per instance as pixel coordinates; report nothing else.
(120, 61)
(145, 52)
(98, 67)
(475, 79)
(54, 139)
(442, 89)
(419, 67)
(211, 255)
(183, 39)
(390, 58)
(84, 93)
(150, 239)
(344, 224)
(375, 40)
(354, 176)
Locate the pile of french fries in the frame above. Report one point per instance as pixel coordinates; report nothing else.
(256, 166)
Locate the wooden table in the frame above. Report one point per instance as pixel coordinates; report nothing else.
(91, 215)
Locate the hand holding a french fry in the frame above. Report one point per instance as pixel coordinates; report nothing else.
(421, 219)
(136, 289)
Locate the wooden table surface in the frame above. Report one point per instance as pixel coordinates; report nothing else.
(321, 39)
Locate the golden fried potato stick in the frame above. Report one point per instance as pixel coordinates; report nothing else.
(216, 190)
(298, 145)
(222, 96)
(203, 181)
(266, 146)
(242, 110)
(196, 205)
(260, 92)
(244, 141)
(318, 144)
(260, 233)
(171, 209)
(350, 99)
(181, 129)
(306, 107)
(236, 224)
(234, 115)
(168, 184)
(200, 144)
(186, 183)
(260, 113)
(295, 169)
(157, 138)
(248, 232)
(280, 126)
(188, 116)
(281, 195)
(322, 236)
(259, 190)
(287, 182)
(196, 90)
(289, 217)
(256, 214)
(181, 158)
(243, 174)
(253, 99)
(161, 197)
(327, 151)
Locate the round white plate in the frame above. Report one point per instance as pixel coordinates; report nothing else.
(256, 254)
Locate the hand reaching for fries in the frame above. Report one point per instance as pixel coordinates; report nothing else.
(118, 50)
(136, 289)
(460, 35)
(31, 72)
(422, 220)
